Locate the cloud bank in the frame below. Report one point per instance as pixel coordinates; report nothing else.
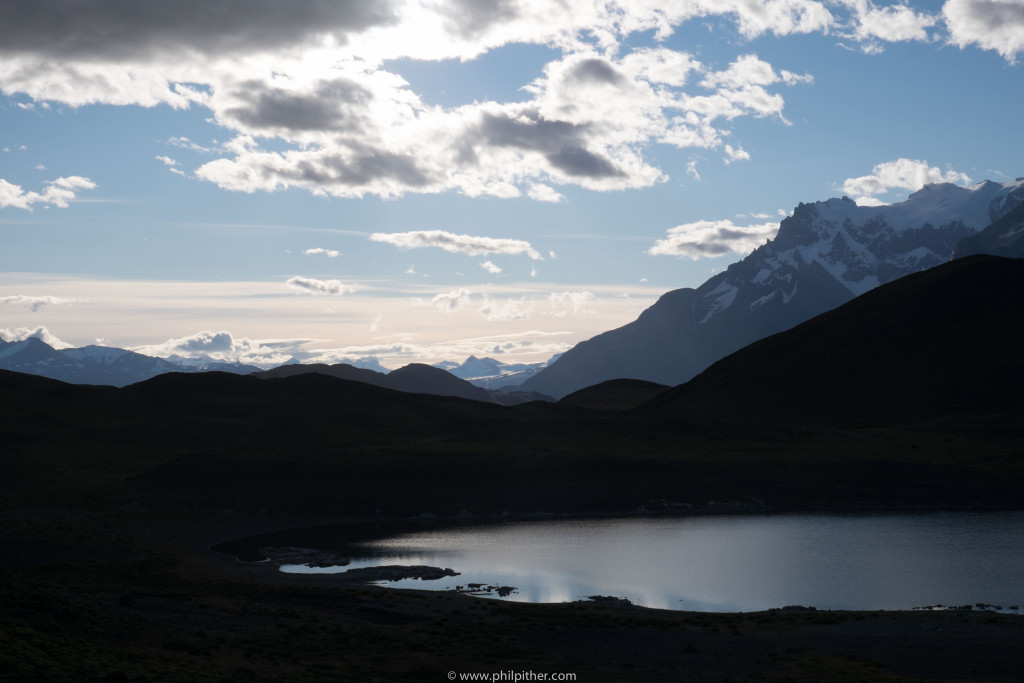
(306, 99)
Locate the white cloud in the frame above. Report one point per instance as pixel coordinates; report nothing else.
(452, 301)
(735, 154)
(457, 244)
(490, 267)
(167, 161)
(991, 24)
(22, 333)
(35, 302)
(319, 287)
(330, 253)
(508, 310)
(893, 23)
(708, 239)
(563, 303)
(544, 193)
(307, 102)
(59, 193)
(691, 170)
(185, 143)
(901, 174)
(225, 347)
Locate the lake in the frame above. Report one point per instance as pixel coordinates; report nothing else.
(712, 563)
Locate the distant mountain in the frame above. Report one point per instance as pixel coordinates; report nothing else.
(94, 364)
(415, 378)
(339, 370)
(945, 342)
(204, 363)
(825, 254)
(493, 374)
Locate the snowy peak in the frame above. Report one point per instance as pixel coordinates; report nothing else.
(861, 247)
(491, 373)
(824, 254)
(90, 364)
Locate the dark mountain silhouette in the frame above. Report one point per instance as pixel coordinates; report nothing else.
(614, 394)
(415, 378)
(418, 378)
(939, 343)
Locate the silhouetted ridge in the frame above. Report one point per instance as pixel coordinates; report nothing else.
(615, 394)
(945, 341)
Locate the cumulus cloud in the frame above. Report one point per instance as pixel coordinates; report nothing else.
(329, 253)
(452, 301)
(457, 244)
(735, 154)
(308, 103)
(43, 334)
(901, 174)
(35, 302)
(563, 303)
(224, 346)
(306, 100)
(991, 24)
(490, 267)
(545, 193)
(708, 239)
(319, 287)
(893, 23)
(504, 311)
(58, 193)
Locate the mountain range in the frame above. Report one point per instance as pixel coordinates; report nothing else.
(823, 255)
(97, 364)
(414, 378)
(492, 374)
(906, 396)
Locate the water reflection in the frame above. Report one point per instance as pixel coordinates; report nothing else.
(735, 563)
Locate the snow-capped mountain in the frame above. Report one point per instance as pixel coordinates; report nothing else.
(493, 374)
(825, 254)
(95, 364)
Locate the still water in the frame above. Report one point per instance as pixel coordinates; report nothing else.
(727, 563)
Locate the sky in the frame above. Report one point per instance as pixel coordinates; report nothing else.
(424, 180)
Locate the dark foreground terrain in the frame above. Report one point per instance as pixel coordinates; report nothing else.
(120, 596)
(111, 498)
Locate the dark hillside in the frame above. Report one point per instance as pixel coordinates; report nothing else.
(614, 394)
(943, 342)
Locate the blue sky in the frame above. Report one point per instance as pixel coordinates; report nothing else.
(421, 181)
